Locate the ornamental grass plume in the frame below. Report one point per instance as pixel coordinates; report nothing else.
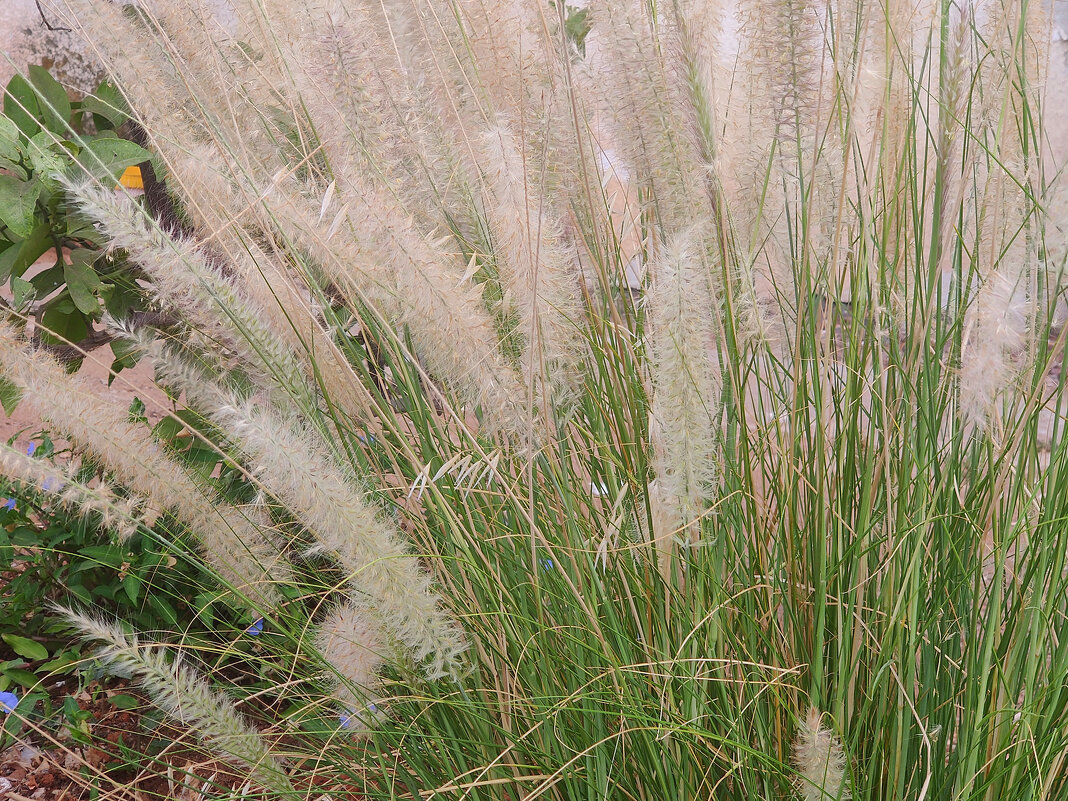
(535, 267)
(285, 298)
(992, 348)
(352, 646)
(122, 515)
(187, 698)
(820, 760)
(681, 331)
(370, 248)
(233, 545)
(298, 469)
(186, 282)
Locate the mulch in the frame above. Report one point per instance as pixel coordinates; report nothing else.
(130, 754)
(116, 752)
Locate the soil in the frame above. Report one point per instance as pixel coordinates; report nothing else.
(123, 752)
(54, 764)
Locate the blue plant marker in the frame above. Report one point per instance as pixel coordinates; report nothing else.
(256, 629)
(8, 702)
(10, 503)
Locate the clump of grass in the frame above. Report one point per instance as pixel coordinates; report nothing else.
(553, 528)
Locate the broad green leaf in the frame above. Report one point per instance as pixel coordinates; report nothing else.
(10, 395)
(81, 592)
(8, 258)
(82, 280)
(61, 662)
(121, 301)
(43, 156)
(9, 132)
(52, 99)
(26, 537)
(80, 227)
(21, 106)
(23, 677)
(25, 647)
(9, 140)
(22, 290)
(14, 167)
(48, 281)
(127, 354)
(33, 247)
(18, 200)
(72, 710)
(167, 429)
(108, 102)
(123, 701)
(132, 585)
(136, 414)
(63, 326)
(107, 156)
(110, 555)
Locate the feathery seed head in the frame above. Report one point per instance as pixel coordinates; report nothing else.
(996, 329)
(350, 642)
(820, 761)
(186, 697)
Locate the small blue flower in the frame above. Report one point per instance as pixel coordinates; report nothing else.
(256, 629)
(10, 503)
(546, 564)
(48, 483)
(31, 449)
(8, 702)
(350, 720)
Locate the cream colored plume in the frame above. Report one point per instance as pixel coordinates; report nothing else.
(820, 761)
(234, 545)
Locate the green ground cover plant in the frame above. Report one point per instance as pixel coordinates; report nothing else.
(662, 403)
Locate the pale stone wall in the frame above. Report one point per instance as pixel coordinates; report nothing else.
(25, 40)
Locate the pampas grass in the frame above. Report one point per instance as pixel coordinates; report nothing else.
(622, 381)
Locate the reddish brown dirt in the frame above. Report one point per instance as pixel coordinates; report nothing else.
(55, 765)
(129, 755)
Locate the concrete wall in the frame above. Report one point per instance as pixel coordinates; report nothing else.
(25, 40)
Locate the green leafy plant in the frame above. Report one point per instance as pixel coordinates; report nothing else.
(43, 134)
(51, 554)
